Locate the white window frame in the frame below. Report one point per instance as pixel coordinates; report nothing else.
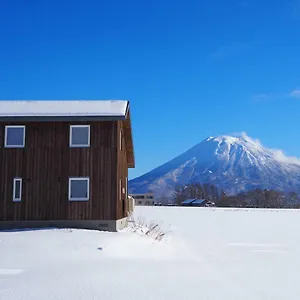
(88, 188)
(80, 145)
(126, 187)
(120, 190)
(121, 136)
(5, 136)
(15, 199)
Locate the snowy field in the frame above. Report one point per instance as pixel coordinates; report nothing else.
(222, 254)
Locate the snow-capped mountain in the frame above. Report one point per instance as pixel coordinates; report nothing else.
(234, 164)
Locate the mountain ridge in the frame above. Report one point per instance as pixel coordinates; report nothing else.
(232, 163)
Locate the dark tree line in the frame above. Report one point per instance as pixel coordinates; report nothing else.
(257, 198)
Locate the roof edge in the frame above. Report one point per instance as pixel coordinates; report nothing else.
(60, 118)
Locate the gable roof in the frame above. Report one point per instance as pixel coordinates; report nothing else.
(39, 110)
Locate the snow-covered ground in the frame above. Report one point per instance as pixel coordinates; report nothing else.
(208, 253)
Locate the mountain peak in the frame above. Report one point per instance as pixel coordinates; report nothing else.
(225, 138)
(234, 163)
(236, 138)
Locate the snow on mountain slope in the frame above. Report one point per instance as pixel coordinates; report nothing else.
(234, 164)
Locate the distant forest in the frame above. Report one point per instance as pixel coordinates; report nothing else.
(257, 198)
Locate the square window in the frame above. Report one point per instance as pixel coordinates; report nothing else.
(79, 135)
(120, 189)
(17, 190)
(14, 137)
(121, 140)
(79, 188)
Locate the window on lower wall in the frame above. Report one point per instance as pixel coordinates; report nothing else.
(17, 190)
(79, 188)
(79, 136)
(14, 136)
(120, 189)
(126, 187)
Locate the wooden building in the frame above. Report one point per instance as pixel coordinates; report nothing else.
(65, 164)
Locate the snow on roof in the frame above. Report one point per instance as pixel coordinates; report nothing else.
(63, 108)
(199, 201)
(188, 201)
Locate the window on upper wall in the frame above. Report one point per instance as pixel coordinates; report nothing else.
(79, 136)
(79, 188)
(121, 136)
(14, 136)
(17, 190)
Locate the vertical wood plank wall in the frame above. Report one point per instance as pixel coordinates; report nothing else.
(122, 173)
(45, 165)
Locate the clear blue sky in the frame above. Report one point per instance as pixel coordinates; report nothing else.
(191, 69)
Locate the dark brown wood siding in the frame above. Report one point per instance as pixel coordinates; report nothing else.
(45, 165)
(122, 173)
